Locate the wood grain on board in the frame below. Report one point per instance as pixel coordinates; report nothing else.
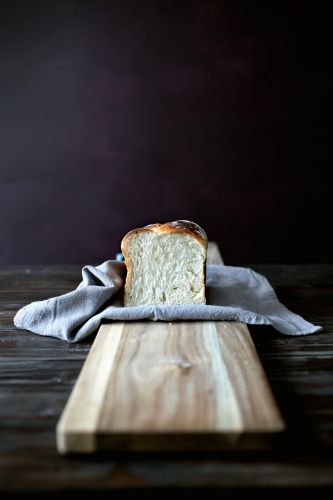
(159, 385)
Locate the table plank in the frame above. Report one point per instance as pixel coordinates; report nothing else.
(38, 373)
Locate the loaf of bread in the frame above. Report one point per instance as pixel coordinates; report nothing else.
(165, 264)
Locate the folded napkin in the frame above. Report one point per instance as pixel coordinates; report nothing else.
(233, 293)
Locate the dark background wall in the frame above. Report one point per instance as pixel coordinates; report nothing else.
(122, 113)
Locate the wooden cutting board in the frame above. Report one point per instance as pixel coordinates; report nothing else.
(157, 385)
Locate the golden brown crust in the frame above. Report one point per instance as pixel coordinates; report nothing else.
(178, 226)
(184, 227)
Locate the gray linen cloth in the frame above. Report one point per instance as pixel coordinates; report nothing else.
(233, 293)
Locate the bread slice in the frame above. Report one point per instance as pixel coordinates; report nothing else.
(165, 264)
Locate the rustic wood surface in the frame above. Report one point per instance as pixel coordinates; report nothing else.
(168, 385)
(38, 373)
(153, 386)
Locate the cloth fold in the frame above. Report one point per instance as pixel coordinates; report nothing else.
(233, 293)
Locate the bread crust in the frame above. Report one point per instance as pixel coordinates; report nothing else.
(178, 226)
(184, 227)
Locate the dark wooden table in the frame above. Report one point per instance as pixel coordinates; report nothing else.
(37, 374)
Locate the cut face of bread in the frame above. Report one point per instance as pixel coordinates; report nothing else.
(165, 265)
